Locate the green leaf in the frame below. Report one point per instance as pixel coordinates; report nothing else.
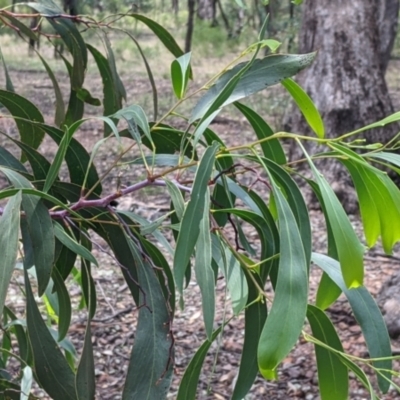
(349, 249)
(85, 96)
(233, 273)
(23, 110)
(135, 117)
(111, 100)
(176, 198)
(284, 323)
(166, 38)
(264, 72)
(9, 84)
(64, 305)
(180, 69)
(204, 272)
(58, 160)
(85, 374)
(190, 229)
(378, 204)
(40, 230)
(255, 317)
(328, 292)
(188, 386)
(77, 159)
(150, 367)
(306, 106)
(9, 161)
(60, 106)
(76, 106)
(333, 377)
(71, 36)
(388, 120)
(368, 316)
(9, 228)
(52, 370)
(39, 164)
(85, 379)
(26, 383)
(72, 244)
(272, 149)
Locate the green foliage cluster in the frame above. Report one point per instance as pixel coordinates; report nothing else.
(49, 222)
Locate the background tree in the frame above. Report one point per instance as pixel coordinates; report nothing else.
(347, 80)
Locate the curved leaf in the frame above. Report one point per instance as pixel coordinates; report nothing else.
(190, 230)
(264, 72)
(150, 367)
(188, 386)
(9, 228)
(368, 316)
(255, 317)
(24, 110)
(306, 106)
(272, 149)
(287, 314)
(52, 369)
(333, 377)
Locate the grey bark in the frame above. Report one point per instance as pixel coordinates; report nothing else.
(388, 23)
(206, 9)
(346, 81)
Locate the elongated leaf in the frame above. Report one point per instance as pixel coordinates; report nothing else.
(388, 120)
(9, 84)
(367, 314)
(306, 106)
(284, 323)
(333, 377)
(136, 117)
(112, 102)
(150, 368)
(40, 230)
(72, 244)
(189, 382)
(166, 38)
(9, 228)
(75, 104)
(255, 316)
(163, 272)
(9, 161)
(204, 272)
(272, 149)
(180, 75)
(52, 369)
(60, 106)
(85, 378)
(58, 160)
(40, 165)
(233, 273)
(349, 249)
(22, 108)
(64, 305)
(264, 72)
(77, 159)
(190, 230)
(26, 383)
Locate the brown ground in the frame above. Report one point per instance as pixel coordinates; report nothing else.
(113, 326)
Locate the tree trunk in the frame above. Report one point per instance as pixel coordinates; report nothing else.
(190, 25)
(388, 21)
(206, 9)
(346, 80)
(175, 6)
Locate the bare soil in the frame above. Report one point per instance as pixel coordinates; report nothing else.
(114, 324)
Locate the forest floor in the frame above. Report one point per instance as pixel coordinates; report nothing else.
(113, 327)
